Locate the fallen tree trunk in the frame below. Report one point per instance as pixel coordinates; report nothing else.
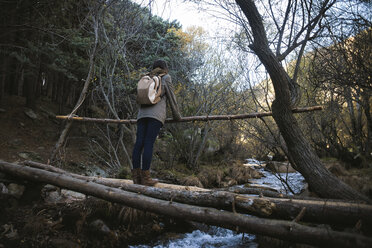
(255, 191)
(112, 182)
(273, 228)
(190, 118)
(118, 182)
(318, 211)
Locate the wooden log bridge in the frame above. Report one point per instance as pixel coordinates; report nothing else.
(281, 229)
(189, 118)
(283, 207)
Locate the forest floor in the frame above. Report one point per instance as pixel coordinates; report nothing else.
(44, 216)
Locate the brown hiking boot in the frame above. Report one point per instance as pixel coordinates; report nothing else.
(146, 179)
(136, 176)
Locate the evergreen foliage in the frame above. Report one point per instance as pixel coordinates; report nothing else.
(45, 48)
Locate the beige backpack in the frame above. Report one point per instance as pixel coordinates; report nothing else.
(149, 90)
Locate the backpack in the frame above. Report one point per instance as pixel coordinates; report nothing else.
(149, 90)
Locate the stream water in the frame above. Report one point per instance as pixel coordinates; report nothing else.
(219, 237)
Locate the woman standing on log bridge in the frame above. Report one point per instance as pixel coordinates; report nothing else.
(150, 119)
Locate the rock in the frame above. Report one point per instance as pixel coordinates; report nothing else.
(51, 194)
(49, 187)
(3, 189)
(29, 156)
(53, 197)
(71, 196)
(16, 190)
(24, 155)
(15, 142)
(30, 113)
(279, 167)
(2, 110)
(100, 226)
(49, 113)
(94, 170)
(9, 232)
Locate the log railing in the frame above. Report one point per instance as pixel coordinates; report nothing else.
(189, 118)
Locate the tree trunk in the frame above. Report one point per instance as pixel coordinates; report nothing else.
(30, 91)
(60, 87)
(21, 80)
(355, 119)
(309, 165)
(317, 210)
(39, 80)
(195, 160)
(56, 83)
(2, 82)
(286, 230)
(367, 112)
(49, 84)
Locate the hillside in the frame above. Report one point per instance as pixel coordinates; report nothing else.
(31, 135)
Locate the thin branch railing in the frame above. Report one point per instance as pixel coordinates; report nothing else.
(189, 118)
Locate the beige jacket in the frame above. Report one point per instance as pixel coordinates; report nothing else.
(159, 110)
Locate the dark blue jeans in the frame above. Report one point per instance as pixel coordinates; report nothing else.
(147, 131)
